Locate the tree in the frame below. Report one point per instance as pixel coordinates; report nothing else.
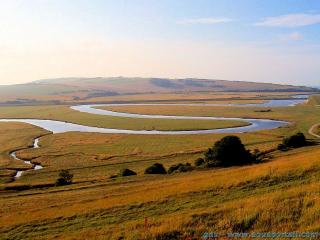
(156, 168)
(229, 151)
(65, 178)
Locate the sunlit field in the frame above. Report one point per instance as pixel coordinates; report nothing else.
(279, 194)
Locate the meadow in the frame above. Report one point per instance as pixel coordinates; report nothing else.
(279, 194)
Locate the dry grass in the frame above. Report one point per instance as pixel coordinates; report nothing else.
(265, 197)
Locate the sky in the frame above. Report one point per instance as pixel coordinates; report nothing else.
(250, 40)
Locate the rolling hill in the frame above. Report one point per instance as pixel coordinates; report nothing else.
(74, 89)
(142, 85)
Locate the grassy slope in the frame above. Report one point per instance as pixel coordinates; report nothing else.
(36, 91)
(100, 89)
(281, 195)
(142, 85)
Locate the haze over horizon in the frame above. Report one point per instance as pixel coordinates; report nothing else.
(259, 41)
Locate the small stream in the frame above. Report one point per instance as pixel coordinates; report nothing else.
(34, 166)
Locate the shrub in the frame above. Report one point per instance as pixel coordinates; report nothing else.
(126, 172)
(229, 151)
(296, 140)
(65, 178)
(180, 167)
(257, 156)
(156, 168)
(199, 162)
(282, 147)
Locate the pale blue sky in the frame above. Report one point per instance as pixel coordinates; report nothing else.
(254, 40)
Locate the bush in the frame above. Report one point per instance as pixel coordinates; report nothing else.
(65, 178)
(282, 147)
(295, 141)
(180, 167)
(229, 151)
(156, 168)
(199, 162)
(126, 172)
(257, 156)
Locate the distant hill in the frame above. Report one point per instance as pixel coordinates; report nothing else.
(75, 89)
(141, 85)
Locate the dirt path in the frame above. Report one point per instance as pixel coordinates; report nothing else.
(312, 129)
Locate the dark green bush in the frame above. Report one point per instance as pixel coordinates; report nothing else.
(295, 141)
(229, 151)
(65, 178)
(180, 167)
(282, 147)
(126, 172)
(156, 168)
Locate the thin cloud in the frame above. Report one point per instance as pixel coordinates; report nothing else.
(290, 20)
(294, 36)
(205, 20)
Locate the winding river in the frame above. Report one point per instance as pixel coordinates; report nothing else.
(61, 127)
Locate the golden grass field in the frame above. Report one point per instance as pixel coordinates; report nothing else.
(281, 194)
